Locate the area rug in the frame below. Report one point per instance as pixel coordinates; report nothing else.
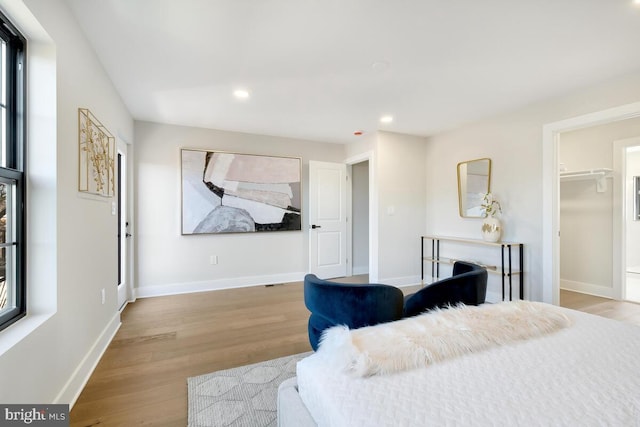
(243, 396)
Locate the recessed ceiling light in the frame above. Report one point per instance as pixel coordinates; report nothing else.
(636, 2)
(241, 93)
(386, 119)
(380, 66)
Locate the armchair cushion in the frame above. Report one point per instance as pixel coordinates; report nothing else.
(468, 285)
(353, 305)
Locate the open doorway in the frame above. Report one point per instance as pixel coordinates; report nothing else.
(363, 243)
(360, 223)
(587, 238)
(596, 252)
(630, 150)
(360, 218)
(551, 190)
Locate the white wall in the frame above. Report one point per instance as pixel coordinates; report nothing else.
(514, 143)
(52, 363)
(168, 262)
(360, 217)
(586, 216)
(364, 144)
(401, 185)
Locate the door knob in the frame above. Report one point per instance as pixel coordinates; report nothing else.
(313, 226)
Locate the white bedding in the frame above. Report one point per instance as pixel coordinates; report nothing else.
(585, 375)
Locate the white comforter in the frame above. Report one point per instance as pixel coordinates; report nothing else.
(584, 375)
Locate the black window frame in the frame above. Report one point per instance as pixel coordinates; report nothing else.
(15, 159)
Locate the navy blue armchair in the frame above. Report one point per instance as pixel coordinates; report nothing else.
(353, 305)
(467, 285)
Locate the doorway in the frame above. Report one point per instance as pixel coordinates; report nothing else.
(551, 194)
(550, 185)
(364, 219)
(364, 212)
(598, 249)
(360, 218)
(587, 187)
(629, 153)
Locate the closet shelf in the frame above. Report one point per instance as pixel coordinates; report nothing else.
(586, 174)
(599, 175)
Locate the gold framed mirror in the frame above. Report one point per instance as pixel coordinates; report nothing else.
(474, 180)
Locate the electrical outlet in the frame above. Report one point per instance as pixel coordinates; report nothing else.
(104, 295)
(213, 259)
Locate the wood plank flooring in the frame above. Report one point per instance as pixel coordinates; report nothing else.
(142, 377)
(619, 310)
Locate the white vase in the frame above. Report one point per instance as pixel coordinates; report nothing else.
(491, 229)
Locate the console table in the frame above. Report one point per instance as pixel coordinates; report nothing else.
(505, 269)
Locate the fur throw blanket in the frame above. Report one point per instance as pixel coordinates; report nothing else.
(435, 336)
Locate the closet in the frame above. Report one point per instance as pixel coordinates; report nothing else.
(596, 166)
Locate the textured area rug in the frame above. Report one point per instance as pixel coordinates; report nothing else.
(244, 396)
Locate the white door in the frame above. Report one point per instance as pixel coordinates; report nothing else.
(327, 219)
(123, 225)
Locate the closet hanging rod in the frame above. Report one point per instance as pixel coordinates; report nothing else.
(586, 174)
(599, 175)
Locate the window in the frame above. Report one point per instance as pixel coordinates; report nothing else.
(13, 301)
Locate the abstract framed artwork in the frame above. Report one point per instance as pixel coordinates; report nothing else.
(96, 173)
(225, 192)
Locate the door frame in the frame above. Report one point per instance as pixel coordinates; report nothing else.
(551, 189)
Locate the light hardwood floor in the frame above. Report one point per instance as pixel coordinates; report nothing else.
(142, 377)
(619, 310)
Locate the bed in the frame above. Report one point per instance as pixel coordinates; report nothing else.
(586, 374)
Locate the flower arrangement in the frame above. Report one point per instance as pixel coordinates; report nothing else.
(490, 206)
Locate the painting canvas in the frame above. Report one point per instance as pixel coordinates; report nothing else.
(96, 174)
(226, 192)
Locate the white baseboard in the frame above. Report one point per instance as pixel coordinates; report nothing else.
(242, 282)
(72, 389)
(214, 285)
(401, 282)
(360, 270)
(494, 297)
(586, 288)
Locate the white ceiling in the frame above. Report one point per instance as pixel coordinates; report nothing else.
(309, 64)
